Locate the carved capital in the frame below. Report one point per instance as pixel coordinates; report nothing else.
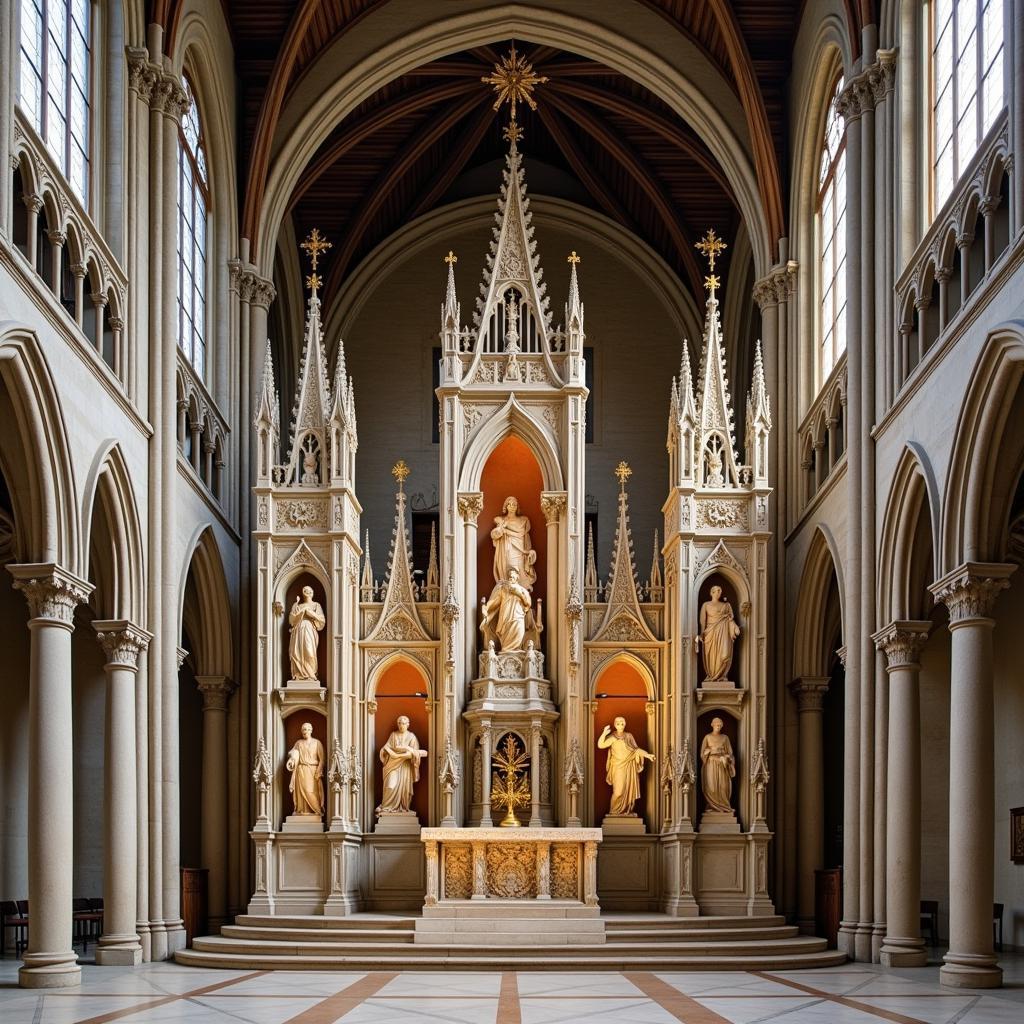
(215, 690)
(181, 655)
(142, 73)
(78, 270)
(471, 504)
(901, 641)
(841, 654)
(57, 238)
(765, 293)
(33, 203)
(98, 299)
(116, 323)
(809, 692)
(122, 642)
(52, 593)
(970, 591)
(553, 504)
(989, 205)
(943, 274)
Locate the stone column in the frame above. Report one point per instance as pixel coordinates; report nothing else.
(903, 946)
(57, 240)
(99, 305)
(470, 505)
(535, 821)
(810, 695)
(486, 820)
(119, 945)
(553, 505)
(215, 690)
(78, 273)
(52, 594)
(969, 592)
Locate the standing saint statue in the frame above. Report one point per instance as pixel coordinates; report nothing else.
(401, 757)
(625, 763)
(508, 615)
(306, 619)
(306, 763)
(512, 547)
(719, 769)
(718, 633)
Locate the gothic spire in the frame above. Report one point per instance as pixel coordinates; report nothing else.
(451, 311)
(267, 405)
(366, 583)
(591, 584)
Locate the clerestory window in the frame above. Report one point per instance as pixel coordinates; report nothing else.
(831, 212)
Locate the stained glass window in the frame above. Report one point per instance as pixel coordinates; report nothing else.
(832, 236)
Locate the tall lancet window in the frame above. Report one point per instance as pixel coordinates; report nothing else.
(832, 236)
(54, 82)
(193, 211)
(967, 90)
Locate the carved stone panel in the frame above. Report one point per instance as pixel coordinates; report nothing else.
(458, 872)
(511, 871)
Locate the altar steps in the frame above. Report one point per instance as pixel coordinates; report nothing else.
(386, 942)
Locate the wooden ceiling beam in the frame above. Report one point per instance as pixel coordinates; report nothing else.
(644, 178)
(382, 187)
(373, 122)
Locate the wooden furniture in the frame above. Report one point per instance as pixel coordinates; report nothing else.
(997, 927)
(193, 902)
(930, 917)
(87, 918)
(14, 915)
(828, 904)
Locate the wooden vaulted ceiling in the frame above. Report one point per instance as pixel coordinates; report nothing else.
(411, 146)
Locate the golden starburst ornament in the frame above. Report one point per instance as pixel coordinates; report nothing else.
(623, 472)
(400, 471)
(514, 80)
(511, 787)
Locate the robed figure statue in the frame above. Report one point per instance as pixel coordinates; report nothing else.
(401, 757)
(508, 615)
(306, 619)
(625, 763)
(718, 633)
(719, 769)
(306, 763)
(512, 546)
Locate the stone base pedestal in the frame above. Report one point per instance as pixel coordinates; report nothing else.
(958, 974)
(303, 823)
(623, 825)
(344, 850)
(38, 972)
(677, 874)
(903, 956)
(500, 922)
(398, 823)
(118, 956)
(717, 822)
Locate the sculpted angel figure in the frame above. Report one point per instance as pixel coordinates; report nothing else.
(718, 633)
(401, 757)
(306, 763)
(306, 619)
(719, 769)
(512, 546)
(625, 763)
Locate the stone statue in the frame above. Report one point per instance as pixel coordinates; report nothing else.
(718, 633)
(512, 550)
(306, 763)
(401, 757)
(306, 619)
(625, 763)
(507, 615)
(719, 769)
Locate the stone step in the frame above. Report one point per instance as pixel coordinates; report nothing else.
(498, 960)
(305, 922)
(617, 920)
(717, 935)
(369, 935)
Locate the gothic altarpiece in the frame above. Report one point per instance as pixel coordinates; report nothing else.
(621, 724)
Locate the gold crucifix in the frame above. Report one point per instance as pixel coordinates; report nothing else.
(315, 244)
(623, 472)
(400, 471)
(572, 258)
(451, 258)
(711, 246)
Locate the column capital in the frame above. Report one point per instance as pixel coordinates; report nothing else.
(901, 641)
(215, 690)
(251, 287)
(122, 642)
(841, 655)
(471, 504)
(52, 592)
(970, 590)
(553, 504)
(809, 692)
(142, 72)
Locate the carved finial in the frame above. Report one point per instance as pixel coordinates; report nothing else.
(315, 244)
(512, 133)
(400, 471)
(451, 258)
(711, 246)
(623, 472)
(573, 258)
(514, 80)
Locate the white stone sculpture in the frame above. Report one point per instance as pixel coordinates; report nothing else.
(306, 763)
(625, 763)
(401, 757)
(508, 615)
(718, 633)
(512, 546)
(719, 769)
(306, 619)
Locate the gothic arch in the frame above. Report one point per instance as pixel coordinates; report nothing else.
(208, 619)
(40, 473)
(380, 669)
(630, 659)
(512, 418)
(822, 565)
(322, 98)
(979, 487)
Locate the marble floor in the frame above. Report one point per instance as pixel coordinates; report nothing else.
(852, 994)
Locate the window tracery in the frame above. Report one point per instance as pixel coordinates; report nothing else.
(832, 237)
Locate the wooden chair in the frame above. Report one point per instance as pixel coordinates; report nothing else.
(14, 914)
(930, 916)
(997, 927)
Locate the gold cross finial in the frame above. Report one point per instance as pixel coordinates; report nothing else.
(623, 472)
(514, 80)
(572, 257)
(512, 132)
(400, 471)
(711, 282)
(451, 258)
(711, 245)
(315, 244)
(313, 281)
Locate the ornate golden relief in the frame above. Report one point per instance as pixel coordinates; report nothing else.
(458, 872)
(511, 870)
(565, 871)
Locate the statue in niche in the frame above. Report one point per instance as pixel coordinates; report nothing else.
(719, 769)
(512, 548)
(306, 619)
(507, 616)
(310, 461)
(306, 763)
(718, 633)
(401, 757)
(625, 763)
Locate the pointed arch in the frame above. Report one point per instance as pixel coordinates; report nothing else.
(637, 664)
(39, 472)
(207, 618)
(382, 667)
(822, 569)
